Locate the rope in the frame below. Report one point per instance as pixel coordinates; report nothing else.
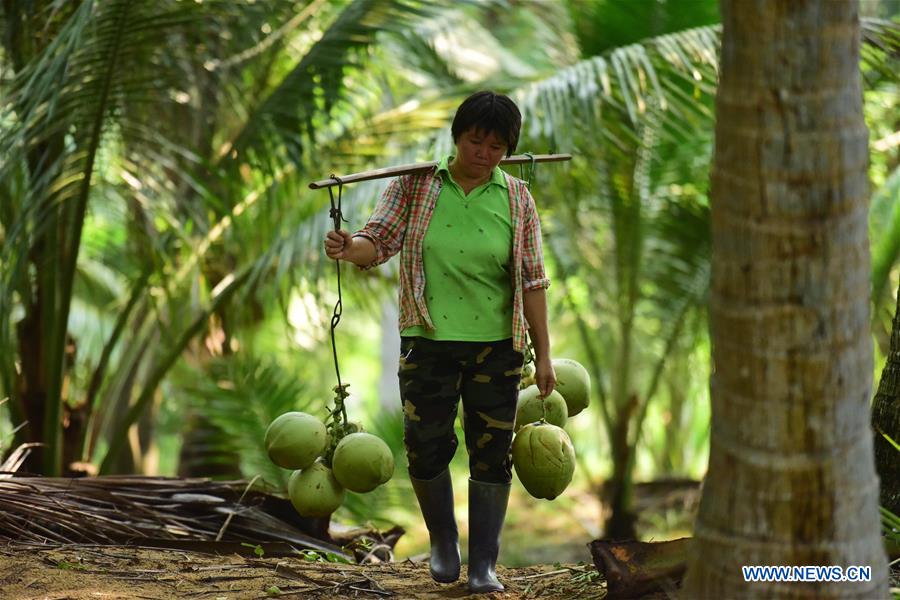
(529, 349)
(337, 217)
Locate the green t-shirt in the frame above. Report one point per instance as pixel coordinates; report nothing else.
(467, 251)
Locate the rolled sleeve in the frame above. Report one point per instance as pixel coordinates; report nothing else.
(534, 276)
(386, 227)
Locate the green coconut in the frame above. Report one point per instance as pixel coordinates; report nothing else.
(362, 462)
(574, 383)
(544, 459)
(531, 407)
(314, 491)
(295, 439)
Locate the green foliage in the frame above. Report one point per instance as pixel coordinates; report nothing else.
(258, 550)
(285, 122)
(885, 235)
(56, 111)
(890, 526)
(241, 395)
(602, 25)
(323, 557)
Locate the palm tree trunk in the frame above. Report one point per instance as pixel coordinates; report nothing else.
(791, 477)
(619, 490)
(886, 421)
(34, 332)
(30, 391)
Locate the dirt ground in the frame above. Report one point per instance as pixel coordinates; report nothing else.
(121, 572)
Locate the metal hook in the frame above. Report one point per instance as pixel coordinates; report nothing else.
(530, 171)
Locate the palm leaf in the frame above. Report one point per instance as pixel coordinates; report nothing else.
(603, 25)
(161, 366)
(672, 75)
(37, 105)
(885, 235)
(242, 395)
(288, 115)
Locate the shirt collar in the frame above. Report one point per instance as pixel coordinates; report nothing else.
(497, 177)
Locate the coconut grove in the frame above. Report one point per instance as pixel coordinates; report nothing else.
(414, 298)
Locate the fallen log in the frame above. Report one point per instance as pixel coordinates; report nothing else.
(634, 569)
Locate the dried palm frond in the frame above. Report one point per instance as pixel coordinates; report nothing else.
(159, 510)
(16, 458)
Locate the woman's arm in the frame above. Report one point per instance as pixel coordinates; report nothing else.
(535, 307)
(382, 236)
(341, 245)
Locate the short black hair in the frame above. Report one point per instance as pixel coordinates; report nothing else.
(489, 112)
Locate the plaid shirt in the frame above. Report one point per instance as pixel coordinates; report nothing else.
(399, 223)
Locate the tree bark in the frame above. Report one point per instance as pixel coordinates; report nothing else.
(791, 478)
(886, 420)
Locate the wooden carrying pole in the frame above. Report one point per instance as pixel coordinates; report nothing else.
(413, 168)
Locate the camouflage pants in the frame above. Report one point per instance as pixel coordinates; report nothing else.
(433, 375)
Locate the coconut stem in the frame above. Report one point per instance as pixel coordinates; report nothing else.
(337, 421)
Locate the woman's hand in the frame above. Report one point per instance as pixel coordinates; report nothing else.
(544, 376)
(338, 244)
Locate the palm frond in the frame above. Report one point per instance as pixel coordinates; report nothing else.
(92, 69)
(58, 116)
(880, 48)
(160, 367)
(885, 234)
(673, 75)
(288, 117)
(603, 25)
(242, 395)
(93, 511)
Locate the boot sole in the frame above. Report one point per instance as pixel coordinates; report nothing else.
(445, 579)
(486, 590)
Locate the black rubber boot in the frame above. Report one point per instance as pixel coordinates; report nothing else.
(436, 501)
(487, 509)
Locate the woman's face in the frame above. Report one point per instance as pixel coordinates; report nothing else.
(477, 153)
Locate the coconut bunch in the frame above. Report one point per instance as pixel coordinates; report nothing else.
(327, 459)
(542, 453)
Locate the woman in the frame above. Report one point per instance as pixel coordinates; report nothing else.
(471, 280)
